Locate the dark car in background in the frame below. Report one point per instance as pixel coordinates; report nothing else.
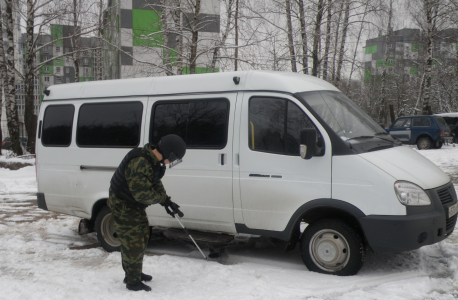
(425, 131)
(6, 144)
(452, 121)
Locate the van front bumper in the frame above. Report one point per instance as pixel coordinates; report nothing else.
(420, 227)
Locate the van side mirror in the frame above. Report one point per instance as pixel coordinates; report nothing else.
(308, 143)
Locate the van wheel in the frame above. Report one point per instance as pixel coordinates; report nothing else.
(331, 246)
(424, 143)
(106, 233)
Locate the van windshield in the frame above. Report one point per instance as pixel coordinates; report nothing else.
(342, 115)
(349, 122)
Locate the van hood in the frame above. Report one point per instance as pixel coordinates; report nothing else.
(404, 163)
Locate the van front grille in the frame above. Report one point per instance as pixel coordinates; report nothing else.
(450, 224)
(445, 195)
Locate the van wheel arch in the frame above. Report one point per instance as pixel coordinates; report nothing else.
(321, 209)
(97, 208)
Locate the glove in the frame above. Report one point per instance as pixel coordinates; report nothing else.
(172, 208)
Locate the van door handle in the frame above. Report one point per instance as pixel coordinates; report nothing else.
(222, 159)
(259, 175)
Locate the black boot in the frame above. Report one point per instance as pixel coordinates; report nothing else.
(138, 287)
(146, 277)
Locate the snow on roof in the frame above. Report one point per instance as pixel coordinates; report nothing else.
(186, 84)
(451, 115)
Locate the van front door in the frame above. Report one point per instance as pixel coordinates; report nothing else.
(273, 181)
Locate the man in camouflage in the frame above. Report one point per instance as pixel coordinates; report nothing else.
(135, 185)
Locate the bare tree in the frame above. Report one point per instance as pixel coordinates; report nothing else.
(227, 29)
(303, 36)
(342, 43)
(317, 38)
(328, 40)
(289, 25)
(10, 95)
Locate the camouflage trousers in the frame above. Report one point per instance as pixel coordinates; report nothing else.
(132, 228)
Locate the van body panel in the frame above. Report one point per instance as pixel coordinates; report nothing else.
(404, 163)
(273, 186)
(364, 185)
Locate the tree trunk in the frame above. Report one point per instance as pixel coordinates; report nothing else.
(76, 41)
(224, 37)
(328, 41)
(10, 95)
(342, 44)
(290, 36)
(317, 38)
(178, 19)
(30, 119)
(383, 96)
(100, 42)
(336, 41)
(429, 54)
(195, 38)
(236, 55)
(3, 75)
(304, 37)
(165, 38)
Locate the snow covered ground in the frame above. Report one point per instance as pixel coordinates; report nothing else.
(41, 258)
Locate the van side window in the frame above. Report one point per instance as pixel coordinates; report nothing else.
(421, 122)
(109, 124)
(275, 125)
(201, 123)
(57, 125)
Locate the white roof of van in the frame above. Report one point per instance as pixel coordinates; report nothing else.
(186, 84)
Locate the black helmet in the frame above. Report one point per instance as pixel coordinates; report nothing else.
(173, 148)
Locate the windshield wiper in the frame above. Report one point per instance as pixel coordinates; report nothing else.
(360, 137)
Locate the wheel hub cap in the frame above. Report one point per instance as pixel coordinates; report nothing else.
(329, 250)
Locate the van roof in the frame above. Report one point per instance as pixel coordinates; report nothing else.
(187, 84)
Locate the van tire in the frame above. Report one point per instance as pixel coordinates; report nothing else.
(424, 143)
(332, 246)
(106, 233)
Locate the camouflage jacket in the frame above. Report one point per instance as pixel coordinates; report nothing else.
(139, 175)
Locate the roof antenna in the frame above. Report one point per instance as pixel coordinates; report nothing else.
(47, 92)
(236, 80)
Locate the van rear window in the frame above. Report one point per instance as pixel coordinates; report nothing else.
(201, 123)
(57, 126)
(109, 124)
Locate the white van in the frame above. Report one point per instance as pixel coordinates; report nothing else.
(266, 152)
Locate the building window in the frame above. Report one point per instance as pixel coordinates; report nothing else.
(46, 79)
(45, 49)
(58, 60)
(46, 70)
(86, 71)
(57, 49)
(57, 69)
(67, 59)
(86, 61)
(67, 80)
(67, 70)
(58, 80)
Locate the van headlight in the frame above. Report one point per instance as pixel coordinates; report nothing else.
(411, 194)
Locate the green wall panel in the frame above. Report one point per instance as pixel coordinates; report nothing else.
(57, 32)
(371, 49)
(144, 25)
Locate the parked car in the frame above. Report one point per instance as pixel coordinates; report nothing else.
(266, 152)
(425, 131)
(7, 144)
(452, 122)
